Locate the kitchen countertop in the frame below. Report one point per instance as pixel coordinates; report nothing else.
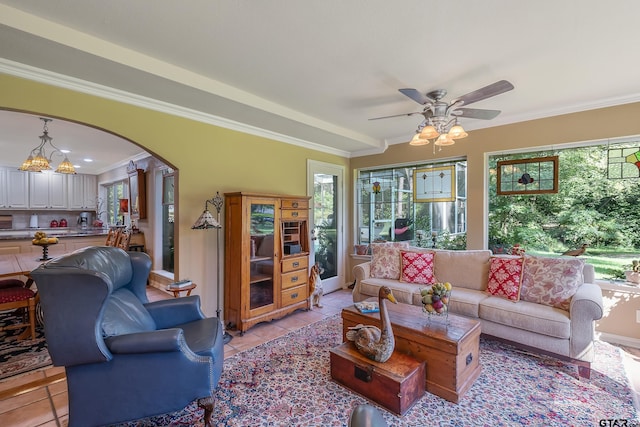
(60, 232)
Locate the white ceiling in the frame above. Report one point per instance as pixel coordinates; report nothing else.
(315, 72)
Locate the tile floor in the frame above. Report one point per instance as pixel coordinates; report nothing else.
(39, 399)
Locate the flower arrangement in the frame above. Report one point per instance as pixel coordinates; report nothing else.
(435, 300)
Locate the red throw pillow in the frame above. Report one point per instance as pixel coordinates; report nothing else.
(505, 277)
(417, 267)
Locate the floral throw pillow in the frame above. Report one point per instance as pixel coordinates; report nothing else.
(505, 277)
(551, 281)
(385, 259)
(417, 267)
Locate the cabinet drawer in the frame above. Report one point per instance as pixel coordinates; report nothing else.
(295, 204)
(295, 264)
(294, 278)
(288, 214)
(294, 295)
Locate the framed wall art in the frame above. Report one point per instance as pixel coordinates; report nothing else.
(434, 184)
(528, 176)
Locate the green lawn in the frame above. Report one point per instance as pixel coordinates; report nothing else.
(609, 263)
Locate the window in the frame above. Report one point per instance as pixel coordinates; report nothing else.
(596, 204)
(114, 192)
(388, 211)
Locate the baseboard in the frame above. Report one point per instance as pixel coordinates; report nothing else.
(619, 339)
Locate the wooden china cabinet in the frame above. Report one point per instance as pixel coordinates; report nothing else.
(266, 257)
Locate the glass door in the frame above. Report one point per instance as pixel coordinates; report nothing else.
(327, 222)
(261, 248)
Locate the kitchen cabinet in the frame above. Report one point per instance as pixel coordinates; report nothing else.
(82, 191)
(47, 190)
(3, 188)
(17, 189)
(266, 257)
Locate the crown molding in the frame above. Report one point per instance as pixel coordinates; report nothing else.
(78, 85)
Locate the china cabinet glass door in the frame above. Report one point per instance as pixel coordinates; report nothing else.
(262, 244)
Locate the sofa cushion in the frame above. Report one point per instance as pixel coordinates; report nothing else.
(417, 267)
(402, 291)
(528, 316)
(125, 314)
(463, 269)
(385, 259)
(505, 277)
(466, 301)
(551, 281)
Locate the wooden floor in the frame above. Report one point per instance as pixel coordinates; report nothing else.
(40, 399)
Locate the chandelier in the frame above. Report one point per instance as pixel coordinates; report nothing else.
(38, 160)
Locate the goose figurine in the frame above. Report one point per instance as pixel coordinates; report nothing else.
(376, 343)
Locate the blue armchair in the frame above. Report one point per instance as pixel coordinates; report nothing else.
(125, 358)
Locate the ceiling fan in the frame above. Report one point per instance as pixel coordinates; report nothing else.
(441, 118)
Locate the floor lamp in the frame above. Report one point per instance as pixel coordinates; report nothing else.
(204, 222)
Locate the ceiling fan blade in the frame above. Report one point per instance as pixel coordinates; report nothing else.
(416, 96)
(493, 89)
(397, 115)
(476, 113)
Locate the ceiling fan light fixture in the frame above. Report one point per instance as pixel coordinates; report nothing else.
(429, 132)
(444, 139)
(457, 132)
(417, 140)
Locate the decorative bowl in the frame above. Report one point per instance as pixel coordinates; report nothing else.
(435, 300)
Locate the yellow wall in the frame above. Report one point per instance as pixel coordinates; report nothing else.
(209, 159)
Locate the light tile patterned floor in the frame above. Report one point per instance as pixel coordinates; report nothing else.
(31, 401)
(26, 402)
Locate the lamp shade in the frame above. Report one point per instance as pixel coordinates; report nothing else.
(444, 140)
(206, 220)
(124, 205)
(457, 132)
(417, 140)
(429, 132)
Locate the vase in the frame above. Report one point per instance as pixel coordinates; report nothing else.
(361, 249)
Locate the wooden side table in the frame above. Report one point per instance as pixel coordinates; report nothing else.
(176, 292)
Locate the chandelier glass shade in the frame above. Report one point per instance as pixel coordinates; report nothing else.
(442, 130)
(37, 161)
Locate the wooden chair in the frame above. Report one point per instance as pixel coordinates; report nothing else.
(123, 240)
(112, 237)
(15, 294)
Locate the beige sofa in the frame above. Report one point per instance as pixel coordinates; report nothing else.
(567, 335)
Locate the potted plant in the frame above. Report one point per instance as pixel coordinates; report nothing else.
(633, 275)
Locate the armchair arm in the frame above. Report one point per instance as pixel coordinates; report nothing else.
(362, 272)
(171, 312)
(586, 307)
(147, 342)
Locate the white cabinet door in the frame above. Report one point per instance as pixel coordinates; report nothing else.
(3, 187)
(57, 190)
(75, 184)
(82, 191)
(38, 190)
(47, 190)
(90, 191)
(17, 189)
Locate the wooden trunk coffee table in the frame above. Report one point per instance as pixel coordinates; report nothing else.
(450, 349)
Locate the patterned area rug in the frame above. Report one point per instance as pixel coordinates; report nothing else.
(20, 356)
(286, 382)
